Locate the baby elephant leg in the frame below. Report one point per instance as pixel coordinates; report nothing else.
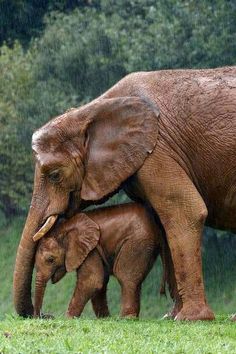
(90, 279)
(99, 301)
(130, 302)
(133, 263)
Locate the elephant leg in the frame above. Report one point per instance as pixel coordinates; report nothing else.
(130, 300)
(79, 299)
(99, 302)
(132, 264)
(182, 213)
(90, 280)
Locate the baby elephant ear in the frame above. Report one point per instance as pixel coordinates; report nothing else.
(82, 237)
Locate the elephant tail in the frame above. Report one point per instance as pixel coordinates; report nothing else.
(162, 290)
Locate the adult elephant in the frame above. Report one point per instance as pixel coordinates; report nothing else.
(170, 137)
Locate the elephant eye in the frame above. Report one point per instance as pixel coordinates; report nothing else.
(50, 259)
(55, 176)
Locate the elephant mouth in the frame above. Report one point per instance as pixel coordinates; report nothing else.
(51, 220)
(58, 274)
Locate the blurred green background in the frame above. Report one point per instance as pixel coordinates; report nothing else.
(58, 54)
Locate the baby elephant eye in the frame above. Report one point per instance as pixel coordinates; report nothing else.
(55, 176)
(50, 259)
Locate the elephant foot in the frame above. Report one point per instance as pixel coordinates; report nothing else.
(129, 314)
(233, 317)
(195, 312)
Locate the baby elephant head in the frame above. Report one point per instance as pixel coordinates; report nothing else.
(63, 249)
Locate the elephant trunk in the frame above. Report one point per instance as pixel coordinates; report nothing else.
(24, 267)
(25, 263)
(40, 286)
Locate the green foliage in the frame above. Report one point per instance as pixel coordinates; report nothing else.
(84, 57)
(15, 85)
(179, 34)
(83, 52)
(22, 19)
(19, 18)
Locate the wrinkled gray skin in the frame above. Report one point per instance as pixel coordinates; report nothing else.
(174, 132)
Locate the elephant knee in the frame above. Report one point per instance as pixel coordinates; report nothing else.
(203, 215)
(95, 282)
(200, 215)
(192, 216)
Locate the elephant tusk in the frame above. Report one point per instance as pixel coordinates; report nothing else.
(45, 228)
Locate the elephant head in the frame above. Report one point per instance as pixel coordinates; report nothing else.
(62, 250)
(85, 154)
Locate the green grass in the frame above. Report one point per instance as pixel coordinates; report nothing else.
(116, 336)
(148, 335)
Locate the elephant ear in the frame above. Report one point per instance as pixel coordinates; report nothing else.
(121, 134)
(81, 240)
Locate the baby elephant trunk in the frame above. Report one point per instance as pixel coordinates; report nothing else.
(40, 286)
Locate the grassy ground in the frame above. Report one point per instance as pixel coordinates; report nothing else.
(116, 336)
(148, 335)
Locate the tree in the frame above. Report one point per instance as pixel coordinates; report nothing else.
(23, 19)
(15, 165)
(82, 53)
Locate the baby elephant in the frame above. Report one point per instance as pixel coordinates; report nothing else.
(123, 241)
